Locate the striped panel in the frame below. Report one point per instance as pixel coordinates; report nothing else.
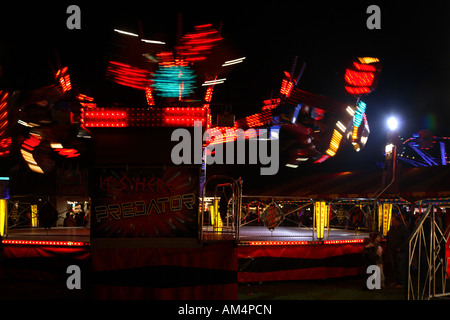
(204, 272)
(273, 263)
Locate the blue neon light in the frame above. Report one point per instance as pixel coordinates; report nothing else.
(359, 113)
(174, 81)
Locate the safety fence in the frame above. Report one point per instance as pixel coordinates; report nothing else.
(227, 214)
(429, 254)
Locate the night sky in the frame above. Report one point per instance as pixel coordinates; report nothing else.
(413, 45)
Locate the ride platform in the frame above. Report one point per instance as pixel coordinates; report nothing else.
(182, 268)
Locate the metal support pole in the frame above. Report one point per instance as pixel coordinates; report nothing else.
(314, 220)
(328, 220)
(433, 249)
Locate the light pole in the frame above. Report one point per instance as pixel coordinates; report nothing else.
(391, 170)
(391, 166)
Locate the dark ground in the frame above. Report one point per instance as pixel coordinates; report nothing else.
(348, 288)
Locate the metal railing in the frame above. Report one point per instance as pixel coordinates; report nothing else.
(426, 258)
(292, 212)
(230, 227)
(245, 211)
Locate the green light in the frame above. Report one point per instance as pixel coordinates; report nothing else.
(360, 110)
(174, 81)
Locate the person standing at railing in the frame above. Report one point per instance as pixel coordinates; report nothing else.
(369, 257)
(376, 240)
(397, 243)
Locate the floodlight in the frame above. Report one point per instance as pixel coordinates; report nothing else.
(392, 123)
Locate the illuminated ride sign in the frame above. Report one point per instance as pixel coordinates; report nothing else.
(145, 202)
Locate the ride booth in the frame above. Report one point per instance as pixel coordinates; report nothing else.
(145, 215)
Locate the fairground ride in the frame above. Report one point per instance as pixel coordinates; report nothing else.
(48, 126)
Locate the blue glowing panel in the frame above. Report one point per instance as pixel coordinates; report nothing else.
(174, 81)
(360, 110)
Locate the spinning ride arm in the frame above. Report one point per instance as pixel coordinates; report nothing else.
(312, 127)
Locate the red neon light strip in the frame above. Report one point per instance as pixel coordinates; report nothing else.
(290, 243)
(68, 153)
(100, 117)
(343, 241)
(47, 243)
(364, 67)
(5, 141)
(257, 120)
(31, 142)
(149, 96)
(286, 87)
(195, 46)
(357, 90)
(359, 78)
(86, 101)
(185, 116)
(270, 104)
(278, 243)
(64, 79)
(226, 134)
(322, 158)
(5, 144)
(3, 112)
(209, 92)
(127, 75)
(146, 117)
